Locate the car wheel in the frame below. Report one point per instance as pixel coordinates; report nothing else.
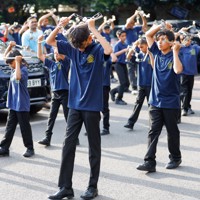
(35, 108)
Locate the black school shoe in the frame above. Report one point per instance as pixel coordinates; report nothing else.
(90, 193)
(105, 132)
(45, 141)
(129, 126)
(173, 164)
(4, 152)
(29, 153)
(147, 166)
(62, 193)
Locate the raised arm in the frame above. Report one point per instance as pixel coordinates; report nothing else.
(51, 39)
(18, 60)
(131, 20)
(50, 14)
(106, 46)
(178, 67)
(9, 48)
(40, 55)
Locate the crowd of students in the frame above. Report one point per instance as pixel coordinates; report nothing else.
(157, 63)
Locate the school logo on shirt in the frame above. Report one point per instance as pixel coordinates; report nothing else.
(58, 65)
(169, 66)
(90, 59)
(192, 52)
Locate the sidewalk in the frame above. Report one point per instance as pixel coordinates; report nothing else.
(122, 151)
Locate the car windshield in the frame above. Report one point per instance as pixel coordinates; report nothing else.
(23, 50)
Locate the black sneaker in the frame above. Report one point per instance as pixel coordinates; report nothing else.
(44, 141)
(190, 111)
(120, 102)
(184, 112)
(29, 153)
(147, 166)
(105, 132)
(4, 152)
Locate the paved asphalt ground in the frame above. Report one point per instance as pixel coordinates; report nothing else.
(36, 178)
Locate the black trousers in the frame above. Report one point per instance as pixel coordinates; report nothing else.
(59, 98)
(14, 118)
(122, 74)
(158, 118)
(106, 110)
(142, 93)
(132, 74)
(75, 120)
(187, 83)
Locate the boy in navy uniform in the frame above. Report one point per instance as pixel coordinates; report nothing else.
(164, 97)
(190, 55)
(59, 70)
(132, 34)
(120, 50)
(85, 100)
(18, 102)
(144, 71)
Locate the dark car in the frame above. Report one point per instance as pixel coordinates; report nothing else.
(38, 80)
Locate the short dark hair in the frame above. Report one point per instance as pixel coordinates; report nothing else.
(142, 40)
(77, 34)
(14, 53)
(106, 26)
(170, 35)
(32, 17)
(119, 32)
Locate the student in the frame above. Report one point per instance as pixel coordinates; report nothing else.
(85, 100)
(18, 102)
(190, 55)
(132, 34)
(120, 50)
(164, 97)
(144, 71)
(43, 24)
(105, 29)
(59, 70)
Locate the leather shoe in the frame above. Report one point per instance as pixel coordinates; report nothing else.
(62, 193)
(105, 132)
(44, 141)
(90, 193)
(29, 153)
(120, 102)
(129, 125)
(147, 166)
(4, 152)
(173, 164)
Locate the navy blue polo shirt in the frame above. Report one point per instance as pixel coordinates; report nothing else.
(189, 59)
(1, 35)
(18, 97)
(58, 73)
(86, 80)
(165, 90)
(118, 47)
(107, 36)
(144, 72)
(60, 36)
(132, 34)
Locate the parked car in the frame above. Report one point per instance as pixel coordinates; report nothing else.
(38, 80)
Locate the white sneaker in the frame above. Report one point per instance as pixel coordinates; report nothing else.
(134, 92)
